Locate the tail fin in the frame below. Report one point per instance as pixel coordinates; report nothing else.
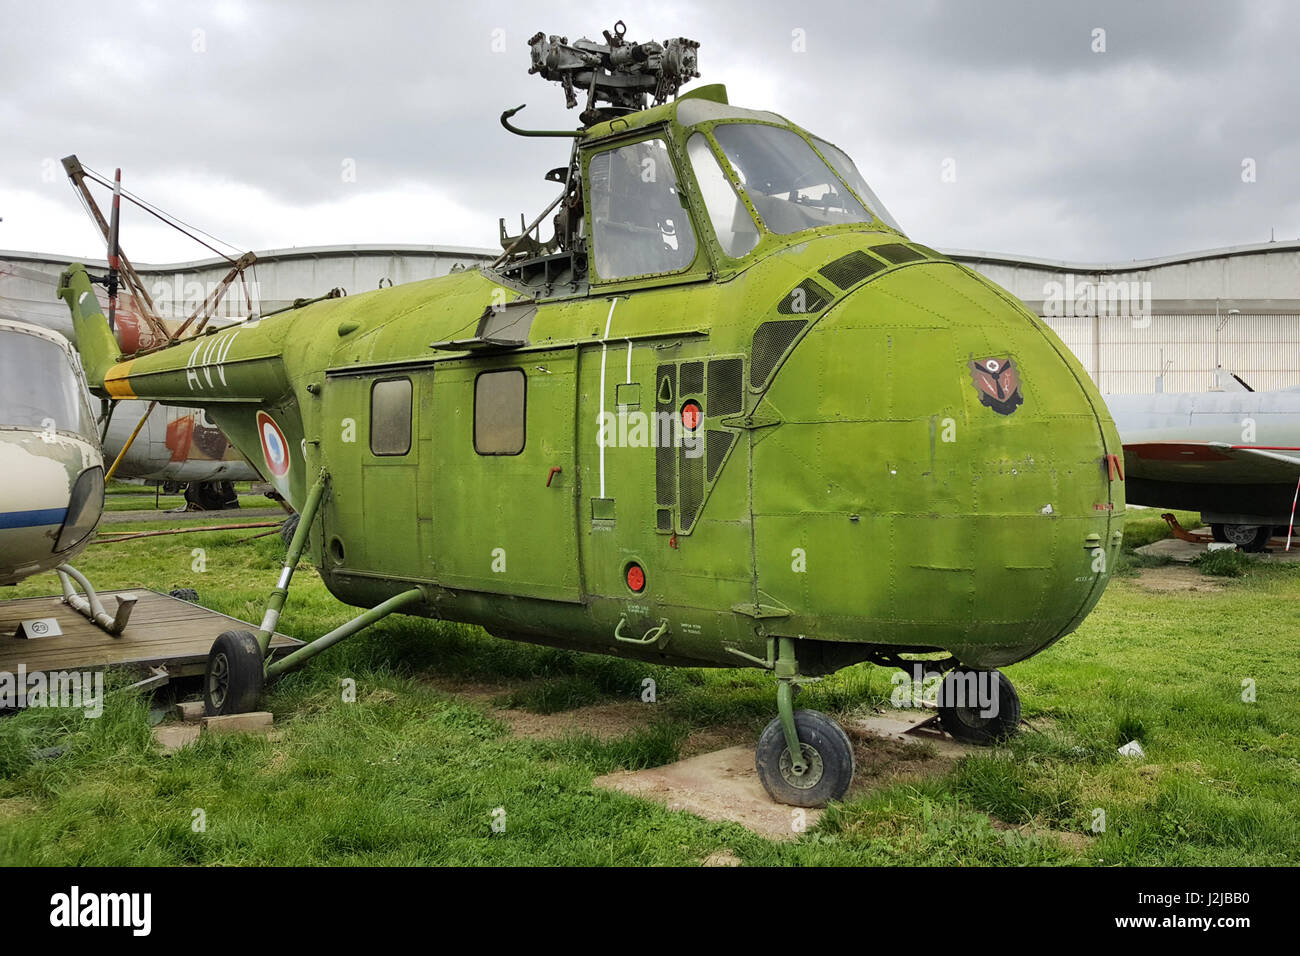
(95, 341)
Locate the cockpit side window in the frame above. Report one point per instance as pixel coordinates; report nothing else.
(732, 223)
(40, 387)
(790, 186)
(639, 226)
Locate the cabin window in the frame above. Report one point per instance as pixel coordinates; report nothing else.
(500, 399)
(639, 226)
(732, 223)
(390, 416)
(787, 182)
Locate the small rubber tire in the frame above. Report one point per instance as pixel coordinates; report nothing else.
(827, 748)
(966, 722)
(1252, 538)
(1216, 532)
(288, 529)
(185, 594)
(234, 679)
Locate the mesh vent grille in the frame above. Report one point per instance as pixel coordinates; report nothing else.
(725, 377)
(665, 519)
(849, 270)
(812, 299)
(771, 341)
(927, 251)
(692, 378)
(896, 252)
(691, 477)
(665, 472)
(716, 445)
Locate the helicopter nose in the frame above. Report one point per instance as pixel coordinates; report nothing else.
(944, 446)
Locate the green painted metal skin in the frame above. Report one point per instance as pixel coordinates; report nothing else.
(869, 503)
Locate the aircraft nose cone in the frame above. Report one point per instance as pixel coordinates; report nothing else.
(969, 446)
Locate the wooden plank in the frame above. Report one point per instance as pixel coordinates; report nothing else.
(162, 631)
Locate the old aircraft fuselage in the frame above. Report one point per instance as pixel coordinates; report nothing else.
(761, 413)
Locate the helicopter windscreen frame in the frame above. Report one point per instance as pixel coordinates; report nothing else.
(790, 186)
(40, 388)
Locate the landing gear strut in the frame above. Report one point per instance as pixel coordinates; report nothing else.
(238, 668)
(804, 758)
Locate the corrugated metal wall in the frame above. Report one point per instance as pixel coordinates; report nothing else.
(1125, 355)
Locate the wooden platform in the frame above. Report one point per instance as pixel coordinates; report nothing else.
(163, 632)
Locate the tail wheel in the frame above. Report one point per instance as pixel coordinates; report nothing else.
(826, 751)
(234, 679)
(1248, 537)
(979, 707)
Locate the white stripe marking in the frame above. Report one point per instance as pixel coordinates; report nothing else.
(600, 431)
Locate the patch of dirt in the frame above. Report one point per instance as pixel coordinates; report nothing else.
(722, 858)
(1176, 577)
(16, 807)
(480, 692)
(881, 761)
(1077, 842)
(602, 721)
(703, 740)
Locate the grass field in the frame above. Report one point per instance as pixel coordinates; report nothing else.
(411, 773)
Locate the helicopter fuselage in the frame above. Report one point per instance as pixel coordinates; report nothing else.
(825, 433)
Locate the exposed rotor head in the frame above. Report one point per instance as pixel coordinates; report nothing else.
(617, 72)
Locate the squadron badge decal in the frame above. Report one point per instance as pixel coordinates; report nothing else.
(998, 383)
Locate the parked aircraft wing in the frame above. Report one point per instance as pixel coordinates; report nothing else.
(1217, 462)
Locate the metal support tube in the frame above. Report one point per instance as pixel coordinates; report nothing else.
(281, 592)
(304, 654)
(786, 668)
(90, 606)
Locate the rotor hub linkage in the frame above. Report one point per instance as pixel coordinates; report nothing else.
(617, 72)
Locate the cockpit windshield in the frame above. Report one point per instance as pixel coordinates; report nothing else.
(849, 173)
(789, 185)
(39, 386)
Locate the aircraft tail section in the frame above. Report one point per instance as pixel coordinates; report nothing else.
(94, 340)
(239, 364)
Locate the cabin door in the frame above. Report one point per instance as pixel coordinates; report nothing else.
(504, 474)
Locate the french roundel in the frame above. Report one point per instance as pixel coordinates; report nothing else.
(274, 447)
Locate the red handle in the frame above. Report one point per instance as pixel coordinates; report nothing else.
(554, 471)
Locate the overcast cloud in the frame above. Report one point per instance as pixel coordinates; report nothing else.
(239, 117)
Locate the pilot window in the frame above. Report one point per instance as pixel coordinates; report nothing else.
(390, 417)
(499, 410)
(789, 185)
(732, 223)
(639, 226)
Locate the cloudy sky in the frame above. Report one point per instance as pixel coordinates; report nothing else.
(1011, 126)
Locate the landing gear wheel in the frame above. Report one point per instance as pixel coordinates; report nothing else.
(826, 750)
(1248, 537)
(288, 529)
(185, 594)
(963, 715)
(1216, 532)
(234, 678)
